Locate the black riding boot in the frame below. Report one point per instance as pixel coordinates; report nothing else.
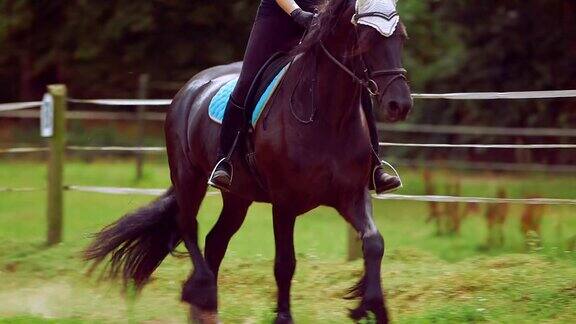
(233, 125)
(381, 181)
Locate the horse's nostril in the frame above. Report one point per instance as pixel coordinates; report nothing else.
(398, 109)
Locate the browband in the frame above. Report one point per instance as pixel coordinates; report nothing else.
(388, 17)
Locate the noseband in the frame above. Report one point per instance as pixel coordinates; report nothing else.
(368, 79)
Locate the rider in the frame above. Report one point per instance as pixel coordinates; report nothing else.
(279, 26)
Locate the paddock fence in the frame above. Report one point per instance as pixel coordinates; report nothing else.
(56, 148)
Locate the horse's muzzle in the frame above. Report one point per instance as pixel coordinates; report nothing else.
(397, 110)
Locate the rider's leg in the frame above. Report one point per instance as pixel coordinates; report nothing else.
(381, 181)
(232, 128)
(273, 31)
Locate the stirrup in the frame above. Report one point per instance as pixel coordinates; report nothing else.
(223, 160)
(395, 173)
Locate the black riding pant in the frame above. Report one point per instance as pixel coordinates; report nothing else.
(273, 31)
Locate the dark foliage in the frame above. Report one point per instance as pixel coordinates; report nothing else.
(99, 48)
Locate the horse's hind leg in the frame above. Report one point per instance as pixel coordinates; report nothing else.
(200, 288)
(231, 218)
(359, 213)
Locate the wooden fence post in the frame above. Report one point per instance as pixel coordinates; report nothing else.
(143, 82)
(57, 146)
(354, 244)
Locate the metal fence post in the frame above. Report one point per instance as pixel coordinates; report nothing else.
(55, 170)
(143, 82)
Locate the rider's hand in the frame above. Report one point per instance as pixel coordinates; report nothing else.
(302, 18)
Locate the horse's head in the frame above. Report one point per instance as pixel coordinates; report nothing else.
(380, 41)
(365, 39)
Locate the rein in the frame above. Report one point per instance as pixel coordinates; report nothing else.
(367, 81)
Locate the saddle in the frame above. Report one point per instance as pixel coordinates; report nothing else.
(269, 75)
(261, 90)
(269, 72)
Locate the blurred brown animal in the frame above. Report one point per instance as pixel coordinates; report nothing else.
(453, 211)
(447, 215)
(433, 206)
(496, 217)
(571, 246)
(531, 222)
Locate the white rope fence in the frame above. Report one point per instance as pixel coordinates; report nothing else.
(20, 150)
(19, 105)
(90, 115)
(453, 199)
(531, 201)
(160, 149)
(477, 130)
(123, 102)
(116, 149)
(420, 128)
(117, 190)
(421, 198)
(21, 189)
(495, 146)
(498, 146)
(104, 190)
(125, 191)
(487, 166)
(448, 96)
(498, 95)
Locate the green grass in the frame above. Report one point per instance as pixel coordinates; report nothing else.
(428, 278)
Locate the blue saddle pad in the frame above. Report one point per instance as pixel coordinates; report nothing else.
(220, 100)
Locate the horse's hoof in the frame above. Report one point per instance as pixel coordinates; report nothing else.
(199, 316)
(357, 314)
(283, 318)
(364, 312)
(201, 293)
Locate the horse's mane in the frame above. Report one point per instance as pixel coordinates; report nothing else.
(328, 14)
(329, 11)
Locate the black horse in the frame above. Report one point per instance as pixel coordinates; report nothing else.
(301, 165)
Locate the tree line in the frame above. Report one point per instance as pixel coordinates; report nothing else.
(99, 48)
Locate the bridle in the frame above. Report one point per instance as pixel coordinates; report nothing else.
(368, 79)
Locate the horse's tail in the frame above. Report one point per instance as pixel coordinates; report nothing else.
(138, 242)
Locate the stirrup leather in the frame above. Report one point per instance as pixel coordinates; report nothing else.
(382, 162)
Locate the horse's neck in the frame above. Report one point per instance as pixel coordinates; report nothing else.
(338, 94)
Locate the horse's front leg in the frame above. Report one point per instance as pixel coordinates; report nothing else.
(358, 212)
(285, 261)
